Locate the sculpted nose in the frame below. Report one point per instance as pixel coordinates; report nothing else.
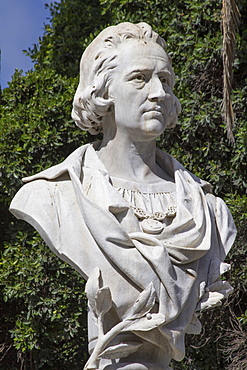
(156, 90)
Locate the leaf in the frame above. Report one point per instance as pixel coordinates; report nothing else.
(214, 294)
(146, 323)
(144, 303)
(92, 286)
(103, 300)
(120, 350)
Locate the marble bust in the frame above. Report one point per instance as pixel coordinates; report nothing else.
(149, 237)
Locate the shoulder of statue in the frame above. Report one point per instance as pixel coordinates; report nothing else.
(35, 198)
(59, 169)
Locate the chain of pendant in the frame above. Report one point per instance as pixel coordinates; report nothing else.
(159, 216)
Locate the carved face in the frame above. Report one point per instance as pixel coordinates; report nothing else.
(141, 90)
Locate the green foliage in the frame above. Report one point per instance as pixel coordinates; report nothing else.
(42, 102)
(43, 308)
(243, 318)
(48, 304)
(73, 26)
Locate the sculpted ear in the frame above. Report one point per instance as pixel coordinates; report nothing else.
(102, 105)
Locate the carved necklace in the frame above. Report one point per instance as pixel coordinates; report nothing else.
(151, 222)
(159, 216)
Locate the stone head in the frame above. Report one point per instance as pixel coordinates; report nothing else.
(92, 104)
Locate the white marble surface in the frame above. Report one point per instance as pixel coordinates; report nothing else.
(148, 235)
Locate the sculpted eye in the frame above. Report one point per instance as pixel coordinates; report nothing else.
(164, 80)
(139, 77)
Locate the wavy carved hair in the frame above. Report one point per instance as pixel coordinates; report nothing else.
(91, 103)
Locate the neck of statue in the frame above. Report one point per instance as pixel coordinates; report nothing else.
(130, 159)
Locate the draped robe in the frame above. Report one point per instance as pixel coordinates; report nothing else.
(86, 222)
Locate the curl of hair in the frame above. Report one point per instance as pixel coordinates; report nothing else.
(91, 102)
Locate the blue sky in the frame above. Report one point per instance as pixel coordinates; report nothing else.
(21, 25)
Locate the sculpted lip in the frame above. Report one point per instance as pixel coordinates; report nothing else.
(153, 110)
